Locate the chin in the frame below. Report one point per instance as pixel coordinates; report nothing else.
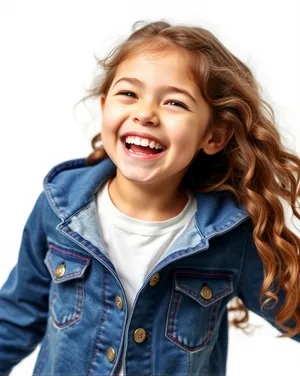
(137, 178)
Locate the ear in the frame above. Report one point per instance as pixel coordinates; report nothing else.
(102, 101)
(217, 138)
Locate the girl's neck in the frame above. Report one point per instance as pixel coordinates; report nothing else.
(140, 203)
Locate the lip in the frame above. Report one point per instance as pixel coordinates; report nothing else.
(143, 135)
(141, 157)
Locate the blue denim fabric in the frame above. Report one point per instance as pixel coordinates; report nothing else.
(75, 316)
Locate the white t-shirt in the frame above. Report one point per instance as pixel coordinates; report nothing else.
(135, 246)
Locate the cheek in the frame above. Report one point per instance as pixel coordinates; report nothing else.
(113, 112)
(186, 145)
(186, 140)
(110, 122)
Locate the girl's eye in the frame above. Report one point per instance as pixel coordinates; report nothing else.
(179, 103)
(170, 101)
(126, 92)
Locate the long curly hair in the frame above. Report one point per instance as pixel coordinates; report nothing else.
(254, 165)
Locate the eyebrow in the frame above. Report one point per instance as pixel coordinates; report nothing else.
(166, 88)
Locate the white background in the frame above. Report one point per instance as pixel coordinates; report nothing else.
(47, 62)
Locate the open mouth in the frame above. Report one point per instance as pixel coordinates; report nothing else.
(138, 149)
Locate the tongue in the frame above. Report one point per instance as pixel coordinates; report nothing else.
(143, 149)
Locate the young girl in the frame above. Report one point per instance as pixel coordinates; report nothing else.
(130, 257)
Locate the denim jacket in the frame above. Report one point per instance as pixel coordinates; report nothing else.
(65, 293)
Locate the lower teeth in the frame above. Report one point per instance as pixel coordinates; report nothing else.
(137, 152)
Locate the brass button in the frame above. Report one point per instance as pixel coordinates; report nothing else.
(139, 335)
(154, 279)
(206, 293)
(110, 354)
(60, 270)
(119, 302)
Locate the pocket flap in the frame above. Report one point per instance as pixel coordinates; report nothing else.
(65, 264)
(204, 287)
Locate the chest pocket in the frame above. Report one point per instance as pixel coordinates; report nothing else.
(196, 300)
(66, 296)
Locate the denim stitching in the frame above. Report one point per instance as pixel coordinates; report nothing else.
(67, 275)
(69, 253)
(41, 363)
(84, 243)
(209, 347)
(82, 298)
(175, 314)
(76, 251)
(73, 274)
(151, 365)
(235, 219)
(212, 320)
(189, 349)
(210, 300)
(171, 334)
(62, 166)
(52, 199)
(73, 318)
(174, 255)
(169, 312)
(205, 364)
(210, 323)
(206, 275)
(78, 307)
(175, 339)
(52, 302)
(77, 299)
(103, 325)
(151, 344)
(58, 168)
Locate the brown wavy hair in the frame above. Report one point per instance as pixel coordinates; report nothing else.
(254, 165)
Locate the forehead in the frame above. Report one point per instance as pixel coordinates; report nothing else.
(163, 66)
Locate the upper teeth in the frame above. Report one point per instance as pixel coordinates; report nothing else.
(143, 142)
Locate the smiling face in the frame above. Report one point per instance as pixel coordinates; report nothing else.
(142, 104)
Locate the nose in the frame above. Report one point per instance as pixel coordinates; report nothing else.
(145, 116)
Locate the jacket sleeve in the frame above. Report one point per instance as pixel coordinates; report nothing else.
(24, 295)
(250, 283)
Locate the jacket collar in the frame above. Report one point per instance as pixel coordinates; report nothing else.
(71, 185)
